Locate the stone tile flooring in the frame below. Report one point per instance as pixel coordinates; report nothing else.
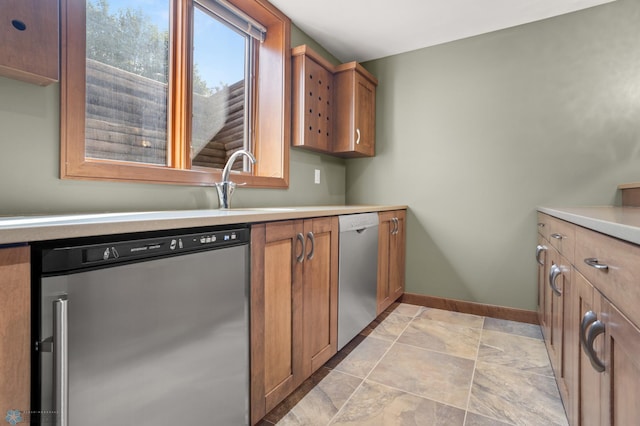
(423, 366)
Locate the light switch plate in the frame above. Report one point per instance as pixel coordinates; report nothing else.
(316, 178)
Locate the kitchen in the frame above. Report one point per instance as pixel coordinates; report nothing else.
(472, 135)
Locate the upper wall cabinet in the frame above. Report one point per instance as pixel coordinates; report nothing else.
(312, 100)
(333, 106)
(356, 107)
(29, 31)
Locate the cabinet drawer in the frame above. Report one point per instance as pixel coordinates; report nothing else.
(543, 225)
(562, 236)
(618, 281)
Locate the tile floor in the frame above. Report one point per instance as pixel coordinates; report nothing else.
(422, 366)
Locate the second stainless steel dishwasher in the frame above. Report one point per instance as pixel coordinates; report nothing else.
(358, 274)
(144, 329)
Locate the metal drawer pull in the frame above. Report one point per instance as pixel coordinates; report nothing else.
(554, 272)
(539, 251)
(596, 329)
(60, 361)
(312, 239)
(300, 238)
(593, 262)
(396, 226)
(358, 139)
(557, 236)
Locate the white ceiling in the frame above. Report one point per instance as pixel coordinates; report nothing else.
(369, 29)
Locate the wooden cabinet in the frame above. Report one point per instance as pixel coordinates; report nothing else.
(544, 314)
(554, 254)
(276, 313)
(557, 298)
(597, 359)
(607, 383)
(15, 329)
(294, 306)
(355, 107)
(320, 293)
(620, 380)
(585, 393)
(391, 257)
(313, 118)
(29, 31)
(334, 107)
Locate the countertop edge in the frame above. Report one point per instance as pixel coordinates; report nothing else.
(123, 223)
(620, 230)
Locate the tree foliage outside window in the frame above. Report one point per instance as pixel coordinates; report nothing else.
(129, 40)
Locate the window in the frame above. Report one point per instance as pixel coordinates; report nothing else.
(165, 90)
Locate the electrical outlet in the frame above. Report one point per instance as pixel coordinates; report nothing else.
(316, 178)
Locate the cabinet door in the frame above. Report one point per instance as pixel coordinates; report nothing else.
(384, 240)
(355, 103)
(397, 256)
(276, 313)
(312, 101)
(391, 257)
(621, 376)
(543, 288)
(583, 380)
(30, 47)
(365, 116)
(320, 292)
(559, 283)
(15, 329)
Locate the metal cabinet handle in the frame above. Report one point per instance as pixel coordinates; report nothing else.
(596, 329)
(589, 318)
(593, 262)
(590, 321)
(554, 272)
(396, 226)
(557, 236)
(300, 238)
(539, 251)
(61, 361)
(358, 138)
(312, 239)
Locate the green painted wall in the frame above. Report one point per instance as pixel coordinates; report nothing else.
(29, 167)
(474, 134)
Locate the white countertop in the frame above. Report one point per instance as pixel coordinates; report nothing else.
(618, 222)
(22, 229)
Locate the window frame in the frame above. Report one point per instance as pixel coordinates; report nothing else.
(271, 103)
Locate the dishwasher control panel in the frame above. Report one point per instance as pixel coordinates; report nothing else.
(123, 250)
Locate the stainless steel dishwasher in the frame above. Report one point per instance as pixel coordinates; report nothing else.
(357, 274)
(148, 330)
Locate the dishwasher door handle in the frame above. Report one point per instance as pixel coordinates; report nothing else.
(61, 361)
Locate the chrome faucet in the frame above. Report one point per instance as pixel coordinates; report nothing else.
(226, 187)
